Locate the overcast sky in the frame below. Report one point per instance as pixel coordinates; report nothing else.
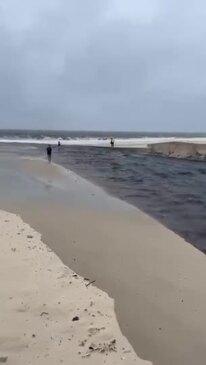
(103, 64)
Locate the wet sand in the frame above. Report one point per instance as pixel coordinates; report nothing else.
(48, 314)
(155, 277)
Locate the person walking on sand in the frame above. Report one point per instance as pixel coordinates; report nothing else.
(49, 152)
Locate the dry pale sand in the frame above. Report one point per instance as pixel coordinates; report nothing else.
(48, 314)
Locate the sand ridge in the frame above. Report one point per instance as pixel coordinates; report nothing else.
(49, 314)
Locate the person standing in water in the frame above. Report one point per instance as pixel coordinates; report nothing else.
(49, 152)
(112, 142)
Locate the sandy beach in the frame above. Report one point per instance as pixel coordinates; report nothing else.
(156, 278)
(49, 314)
(102, 182)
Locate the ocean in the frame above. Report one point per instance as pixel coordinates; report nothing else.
(95, 138)
(172, 191)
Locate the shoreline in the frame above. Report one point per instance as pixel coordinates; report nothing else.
(156, 278)
(49, 314)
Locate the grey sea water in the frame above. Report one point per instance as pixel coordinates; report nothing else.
(41, 134)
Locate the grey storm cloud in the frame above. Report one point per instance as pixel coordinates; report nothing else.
(109, 64)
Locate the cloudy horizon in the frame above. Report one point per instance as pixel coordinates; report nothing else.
(103, 65)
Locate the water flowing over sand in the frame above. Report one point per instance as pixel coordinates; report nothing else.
(156, 278)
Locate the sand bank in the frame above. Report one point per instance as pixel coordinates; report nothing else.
(156, 278)
(179, 149)
(48, 314)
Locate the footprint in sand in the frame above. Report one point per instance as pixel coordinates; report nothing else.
(3, 359)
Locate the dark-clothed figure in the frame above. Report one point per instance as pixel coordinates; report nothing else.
(112, 142)
(49, 152)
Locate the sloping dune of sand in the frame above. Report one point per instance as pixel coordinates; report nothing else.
(48, 314)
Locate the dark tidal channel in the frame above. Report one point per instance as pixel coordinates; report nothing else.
(172, 191)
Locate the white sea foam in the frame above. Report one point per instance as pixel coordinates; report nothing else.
(100, 142)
